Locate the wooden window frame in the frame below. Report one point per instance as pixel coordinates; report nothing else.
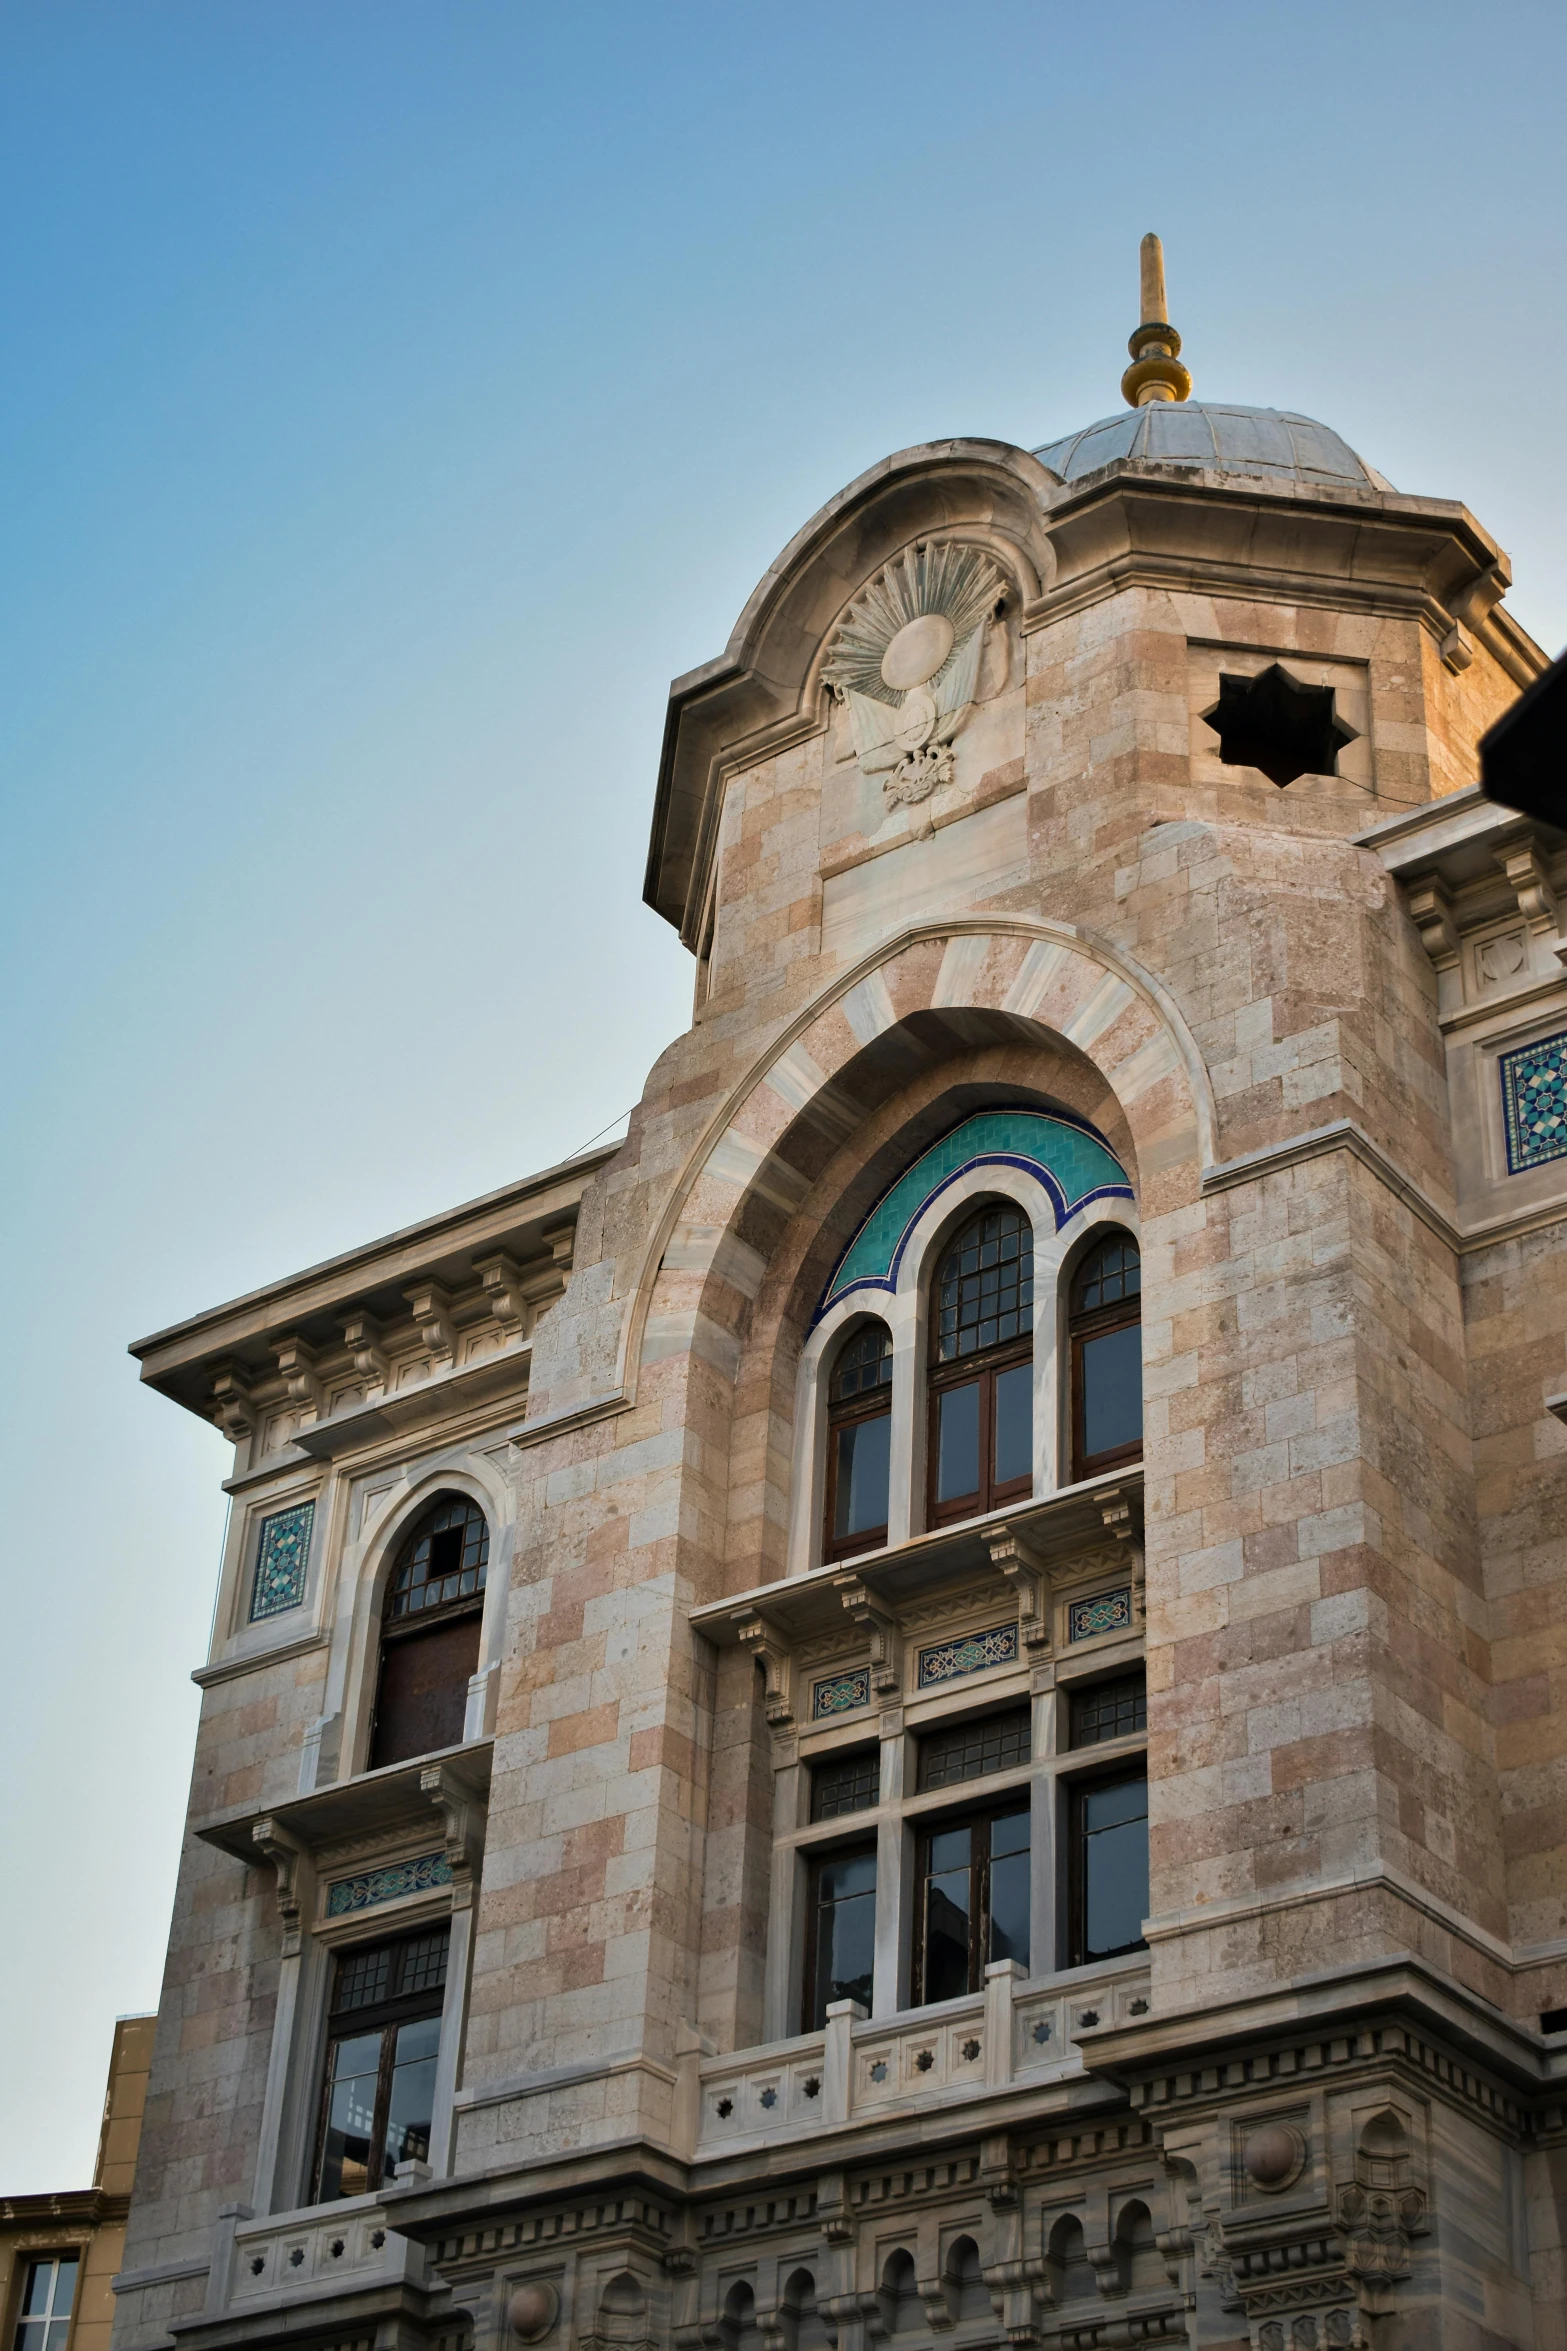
(1121, 1314)
(839, 1850)
(992, 1493)
(1018, 1798)
(1077, 1789)
(385, 2017)
(876, 1406)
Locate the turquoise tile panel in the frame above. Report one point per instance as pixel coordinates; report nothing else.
(349, 1895)
(1534, 1103)
(1074, 1164)
(282, 1558)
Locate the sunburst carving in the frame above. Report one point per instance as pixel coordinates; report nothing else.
(905, 661)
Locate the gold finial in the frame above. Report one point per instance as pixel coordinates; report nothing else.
(1156, 372)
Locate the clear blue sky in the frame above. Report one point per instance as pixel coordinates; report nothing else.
(396, 394)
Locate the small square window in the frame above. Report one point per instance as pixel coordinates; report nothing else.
(847, 1783)
(1109, 1710)
(972, 1750)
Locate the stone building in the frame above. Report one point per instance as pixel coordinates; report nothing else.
(60, 2250)
(927, 1700)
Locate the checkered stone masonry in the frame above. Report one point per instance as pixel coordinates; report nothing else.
(1534, 1102)
(970, 1655)
(282, 1556)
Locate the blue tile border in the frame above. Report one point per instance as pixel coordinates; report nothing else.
(1533, 1079)
(949, 1661)
(841, 1693)
(282, 1559)
(347, 1896)
(1106, 1612)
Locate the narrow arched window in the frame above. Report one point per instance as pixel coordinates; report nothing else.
(859, 1442)
(981, 1449)
(1105, 1329)
(430, 1631)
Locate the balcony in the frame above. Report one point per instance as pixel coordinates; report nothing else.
(1020, 2032)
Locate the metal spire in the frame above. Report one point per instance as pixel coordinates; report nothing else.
(1156, 372)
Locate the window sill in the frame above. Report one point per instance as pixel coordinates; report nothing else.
(400, 1795)
(1054, 1529)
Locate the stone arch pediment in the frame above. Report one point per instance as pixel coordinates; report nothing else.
(932, 988)
(765, 689)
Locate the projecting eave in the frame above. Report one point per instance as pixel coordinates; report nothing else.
(528, 1224)
(764, 691)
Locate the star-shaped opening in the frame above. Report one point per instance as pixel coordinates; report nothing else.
(1276, 724)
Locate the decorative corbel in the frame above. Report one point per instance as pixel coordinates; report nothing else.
(232, 1409)
(462, 1827)
(1430, 910)
(1016, 1558)
(503, 1292)
(1530, 881)
(885, 1639)
(1472, 608)
(296, 1360)
(275, 1844)
(431, 1304)
(362, 1332)
(759, 1640)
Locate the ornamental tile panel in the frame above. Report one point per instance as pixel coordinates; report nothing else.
(1105, 1612)
(841, 1693)
(282, 1557)
(1534, 1102)
(972, 1653)
(346, 1896)
(1074, 1164)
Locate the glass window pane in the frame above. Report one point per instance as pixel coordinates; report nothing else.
(30, 2334)
(1112, 1373)
(354, 2067)
(1014, 1423)
(850, 1783)
(996, 1742)
(864, 1456)
(1109, 1710)
(64, 2286)
(1009, 1887)
(412, 2101)
(1115, 1867)
(59, 2329)
(39, 2289)
(845, 1931)
(957, 1442)
(947, 1935)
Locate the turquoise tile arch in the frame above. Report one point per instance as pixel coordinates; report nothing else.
(1066, 1155)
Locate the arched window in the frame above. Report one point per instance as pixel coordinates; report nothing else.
(1107, 1356)
(982, 1367)
(430, 1631)
(859, 1442)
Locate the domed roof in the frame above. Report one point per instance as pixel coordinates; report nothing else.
(1268, 444)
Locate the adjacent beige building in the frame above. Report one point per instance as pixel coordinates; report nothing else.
(928, 1699)
(59, 2252)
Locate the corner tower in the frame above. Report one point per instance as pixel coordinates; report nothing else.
(1022, 1504)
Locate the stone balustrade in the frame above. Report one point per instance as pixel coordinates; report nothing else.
(859, 2067)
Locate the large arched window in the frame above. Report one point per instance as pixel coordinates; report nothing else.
(1105, 1331)
(430, 1631)
(859, 1442)
(981, 1450)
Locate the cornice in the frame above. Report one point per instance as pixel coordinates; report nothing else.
(1341, 1134)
